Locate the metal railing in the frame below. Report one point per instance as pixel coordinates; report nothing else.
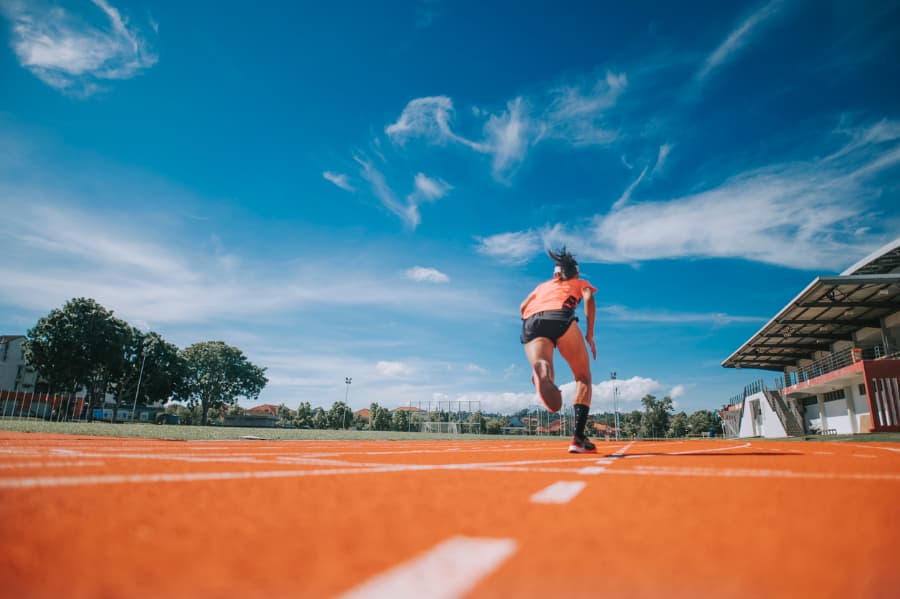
(830, 363)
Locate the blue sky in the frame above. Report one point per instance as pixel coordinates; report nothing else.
(366, 189)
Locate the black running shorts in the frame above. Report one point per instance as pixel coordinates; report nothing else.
(551, 325)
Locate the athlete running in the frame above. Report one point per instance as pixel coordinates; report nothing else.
(548, 317)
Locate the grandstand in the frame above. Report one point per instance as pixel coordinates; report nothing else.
(837, 349)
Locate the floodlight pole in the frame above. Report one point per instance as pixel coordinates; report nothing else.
(347, 380)
(138, 390)
(612, 375)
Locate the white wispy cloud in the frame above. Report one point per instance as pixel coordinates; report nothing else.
(508, 136)
(393, 369)
(626, 195)
(626, 393)
(804, 214)
(738, 38)
(510, 248)
(67, 51)
(339, 179)
(425, 189)
(575, 112)
(427, 117)
(572, 113)
(624, 314)
(664, 151)
(146, 274)
(425, 274)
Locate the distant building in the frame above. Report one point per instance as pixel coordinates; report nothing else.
(250, 420)
(266, 410)
(15, 373)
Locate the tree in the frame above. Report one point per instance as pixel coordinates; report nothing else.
(400, 420)
(340, 415)
(477, 422)
(631, 423)
(381, 419)
(360, 422)
(285, 418)
(216, 375)
(81, 346)
(320, 418)
(303, 419)
(701, 421)
(151, 370)
(678, 425)
(655, 419)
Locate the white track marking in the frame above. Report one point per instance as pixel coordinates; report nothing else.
(591, 470)
(750, 473)
(447, 571)
(873, 446)
(561, 492)
(113, 479)
(621, 451)
(702, 451)
(107, 479)
(15, 465)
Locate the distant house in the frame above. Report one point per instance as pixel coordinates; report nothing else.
(604, 430)
(266, 410)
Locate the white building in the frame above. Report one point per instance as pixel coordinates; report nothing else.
(22, 392)
(837, 347)
(15, 374)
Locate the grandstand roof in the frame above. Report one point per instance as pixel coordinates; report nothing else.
(830, 309)
(884, 260)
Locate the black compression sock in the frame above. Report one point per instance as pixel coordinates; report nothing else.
(581, 416)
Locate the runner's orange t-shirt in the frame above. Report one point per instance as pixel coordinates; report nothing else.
(557, 294)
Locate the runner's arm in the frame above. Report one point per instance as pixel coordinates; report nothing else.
(590, 310)
(526, 302)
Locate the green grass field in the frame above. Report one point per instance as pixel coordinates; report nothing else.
(215, 433)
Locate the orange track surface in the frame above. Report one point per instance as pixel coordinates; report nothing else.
(108, 517)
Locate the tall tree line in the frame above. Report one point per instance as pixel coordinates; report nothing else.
(83, 346)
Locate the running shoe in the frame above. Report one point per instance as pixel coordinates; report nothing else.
(549, 393)
(582, 445)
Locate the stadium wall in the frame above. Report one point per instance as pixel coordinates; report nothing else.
(760, 420)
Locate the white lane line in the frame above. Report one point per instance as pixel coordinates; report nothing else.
(874, 446)
(591, 470)
(701, 451)
(561, 492)
(622, 451)
(15, 466)
(605, 461)
(115, 479)
(447, 571)
(751, 473)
